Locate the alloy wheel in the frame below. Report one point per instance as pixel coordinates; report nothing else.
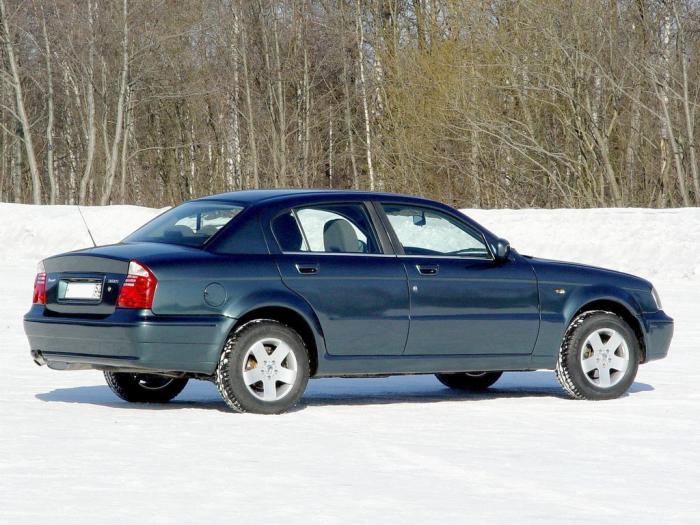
(605, 357)
(269, 369)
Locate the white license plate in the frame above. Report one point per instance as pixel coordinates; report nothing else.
(86, 291)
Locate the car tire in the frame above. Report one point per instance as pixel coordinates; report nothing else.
(599, 357)
(263, 369)
(471, 381)
(145, 388)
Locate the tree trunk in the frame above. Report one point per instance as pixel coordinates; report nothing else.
(633, 141)
(272, 103)
(678, 163)
(662, 92)
(193, 152)
(688, 112)
(307, 120)
(19, 105)
(112, 152)
(53, 187)
(363, 91)
(348, 123)
(234, 176)
(91, 129)
(330, 148)
(16, 166)
(252, 145)
(4, 150)
(281, 106)
(68, 139)
(125, 146)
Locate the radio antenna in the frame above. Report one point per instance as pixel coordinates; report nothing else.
(87, 227)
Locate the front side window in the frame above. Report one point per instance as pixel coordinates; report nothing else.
(423, 231)
(190, 224)
(326, 228)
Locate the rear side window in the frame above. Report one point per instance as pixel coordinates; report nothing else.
(191, 224)
(326, 228)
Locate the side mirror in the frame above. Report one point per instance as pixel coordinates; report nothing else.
(419, 220)
(502, 249)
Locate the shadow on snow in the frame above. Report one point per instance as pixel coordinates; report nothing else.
(335, 391)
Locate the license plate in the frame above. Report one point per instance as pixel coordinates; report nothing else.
(90, 291)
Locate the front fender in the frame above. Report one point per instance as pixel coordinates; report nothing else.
(584, 295)
(558, 310)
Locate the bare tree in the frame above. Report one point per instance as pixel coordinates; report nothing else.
(112, 151)
(53, 186)
(528, 103)
(363, 90)
(90, 127)
(21, 113)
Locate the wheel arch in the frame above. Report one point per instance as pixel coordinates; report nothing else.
(299, 317)
(620, 308)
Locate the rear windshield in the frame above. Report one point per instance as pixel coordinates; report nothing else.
(191, 224)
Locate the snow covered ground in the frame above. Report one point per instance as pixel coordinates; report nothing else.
(396, 450)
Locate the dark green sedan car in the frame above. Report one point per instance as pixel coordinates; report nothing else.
(259, 291)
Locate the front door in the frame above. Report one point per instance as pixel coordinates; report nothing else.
(462, 300)
(332, 258)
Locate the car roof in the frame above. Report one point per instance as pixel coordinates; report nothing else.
(256, 199)
(257, 196)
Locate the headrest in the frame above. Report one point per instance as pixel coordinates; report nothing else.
(339, 236)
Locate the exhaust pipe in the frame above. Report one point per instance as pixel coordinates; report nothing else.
(38, 358)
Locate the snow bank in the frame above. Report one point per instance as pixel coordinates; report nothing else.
(658, 244)
(35, 232)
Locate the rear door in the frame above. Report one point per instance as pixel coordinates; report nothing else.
(334, 258)
(462, 301)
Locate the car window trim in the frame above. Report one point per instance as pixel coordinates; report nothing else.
(387, 224)
(383, 219)
(387, 244)
(293, 211)
(455, 257)
(343, 254)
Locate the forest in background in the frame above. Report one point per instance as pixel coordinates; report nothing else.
(495, 103)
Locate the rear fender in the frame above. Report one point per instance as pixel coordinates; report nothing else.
(284, 298)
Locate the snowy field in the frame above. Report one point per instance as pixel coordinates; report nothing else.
(396, 450)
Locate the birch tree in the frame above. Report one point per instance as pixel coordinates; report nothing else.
(112, 151)
(363, 90)
(20, 112)
(53, 186)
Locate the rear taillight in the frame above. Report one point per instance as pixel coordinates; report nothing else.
(139, 287)
(40, 288)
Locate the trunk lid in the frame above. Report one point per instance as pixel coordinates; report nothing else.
(79, 284)
(86, 283)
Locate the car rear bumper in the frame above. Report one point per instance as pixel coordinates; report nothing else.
(658, 331)
(127, 339)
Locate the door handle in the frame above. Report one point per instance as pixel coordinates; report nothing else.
(428, 269)
(306, 269)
